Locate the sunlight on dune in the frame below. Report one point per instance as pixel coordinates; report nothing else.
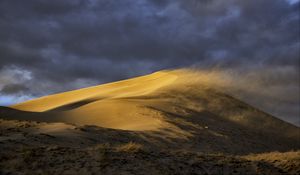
(154, 102)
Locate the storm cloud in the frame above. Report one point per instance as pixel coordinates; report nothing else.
(53, 46)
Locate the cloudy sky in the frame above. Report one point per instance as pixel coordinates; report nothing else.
(53, 46)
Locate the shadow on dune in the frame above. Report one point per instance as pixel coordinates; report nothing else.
(14, 114)
(212, 133)
(72, 106)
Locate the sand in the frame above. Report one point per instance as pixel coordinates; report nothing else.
(126, 88)
(142, 103)
(104, 105)
(176, 119)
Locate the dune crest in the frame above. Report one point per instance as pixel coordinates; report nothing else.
(105, 105)
(162, 101)
(127, 88)
(184, 109)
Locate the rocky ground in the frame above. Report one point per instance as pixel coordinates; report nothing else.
(35, 148)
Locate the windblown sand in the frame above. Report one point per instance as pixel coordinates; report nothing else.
(177, 119)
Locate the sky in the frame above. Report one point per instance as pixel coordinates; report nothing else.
(54, 46)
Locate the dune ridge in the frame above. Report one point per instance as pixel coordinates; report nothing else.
(181, 106)
(125, 88)
(104, 105)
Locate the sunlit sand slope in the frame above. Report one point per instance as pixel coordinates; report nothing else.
(179, 106)
(164, 100)
(180, 119)
(126, 88)
(104, 105)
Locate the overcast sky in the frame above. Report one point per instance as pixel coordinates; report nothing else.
(49, 46)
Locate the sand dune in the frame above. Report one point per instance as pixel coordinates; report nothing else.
(177, 119)
(142, 103)
(176, 104)
(104, 105)
(127, 88)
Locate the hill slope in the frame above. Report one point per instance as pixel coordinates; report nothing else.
(178, 106)
(169, 122)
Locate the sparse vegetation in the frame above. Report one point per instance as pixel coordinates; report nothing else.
(125, 160)
(39, 154)
(129, 147)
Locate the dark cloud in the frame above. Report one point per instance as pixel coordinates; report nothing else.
(13, 89)
(74, 43)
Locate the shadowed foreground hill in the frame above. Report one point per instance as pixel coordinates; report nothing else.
(176, 118)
